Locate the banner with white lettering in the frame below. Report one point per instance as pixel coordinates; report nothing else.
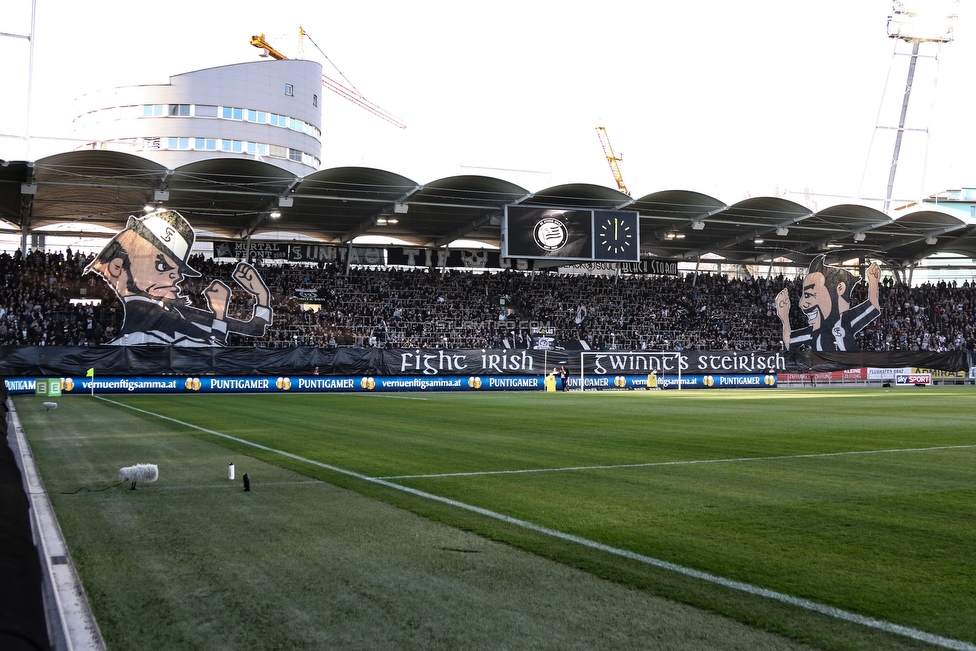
(298, 252)
(130, 361)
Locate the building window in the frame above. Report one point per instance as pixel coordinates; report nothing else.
(177, 143)
(205, 111)
(289, 90)
(315, 99)
(295, 155)
(232, 145)
(179, 110)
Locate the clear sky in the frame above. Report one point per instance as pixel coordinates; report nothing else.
(732, 99)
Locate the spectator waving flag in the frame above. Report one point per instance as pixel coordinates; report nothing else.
(580, 315)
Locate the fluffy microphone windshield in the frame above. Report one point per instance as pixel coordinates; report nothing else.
(144, 472)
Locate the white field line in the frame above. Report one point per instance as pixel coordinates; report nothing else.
(386, 395)
(676, 463)
(830, 611)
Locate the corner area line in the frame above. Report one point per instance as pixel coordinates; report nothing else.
(830, 611)
(690, 462)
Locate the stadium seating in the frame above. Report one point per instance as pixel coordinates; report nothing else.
(427, 308)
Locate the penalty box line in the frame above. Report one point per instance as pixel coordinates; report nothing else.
(830, 611)
(690, 462)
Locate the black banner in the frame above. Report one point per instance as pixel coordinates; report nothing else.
(657, 266)
(131, 361)
(454, 258)
(419, 257)
(297, 252)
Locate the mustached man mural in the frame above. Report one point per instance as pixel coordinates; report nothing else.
(825, 298)
(145, 264)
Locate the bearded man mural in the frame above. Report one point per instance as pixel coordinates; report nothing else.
(825, 300)
(145, 264)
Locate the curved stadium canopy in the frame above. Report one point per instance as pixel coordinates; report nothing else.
(233, 198)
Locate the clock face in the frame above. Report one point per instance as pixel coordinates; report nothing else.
(616, 237)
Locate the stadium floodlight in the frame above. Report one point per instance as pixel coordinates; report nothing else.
(274, 214)
(782, 231)
(923, 20)
(859, 237)
(698, 226)
(931, 241)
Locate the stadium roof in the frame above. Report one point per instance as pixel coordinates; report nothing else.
(234, 198)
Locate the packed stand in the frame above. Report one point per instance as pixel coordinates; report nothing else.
(424, 308)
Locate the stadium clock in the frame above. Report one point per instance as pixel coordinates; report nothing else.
(616, 236)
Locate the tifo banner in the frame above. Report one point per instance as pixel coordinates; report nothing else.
(157, 360)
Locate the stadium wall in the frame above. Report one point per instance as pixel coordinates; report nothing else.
(22, 623)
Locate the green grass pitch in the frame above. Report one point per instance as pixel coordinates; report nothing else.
(859, 499)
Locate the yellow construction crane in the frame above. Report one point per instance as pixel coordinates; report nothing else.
(350, 94)
(613, 159)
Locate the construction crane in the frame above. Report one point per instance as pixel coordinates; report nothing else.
(350, 94)
(613, 159)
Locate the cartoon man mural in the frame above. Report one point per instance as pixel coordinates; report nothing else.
(825, 300)
(145, 264)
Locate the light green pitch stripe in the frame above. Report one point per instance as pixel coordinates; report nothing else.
(830, 611)
(691, 462)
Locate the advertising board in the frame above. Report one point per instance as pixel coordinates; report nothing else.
(913, 380)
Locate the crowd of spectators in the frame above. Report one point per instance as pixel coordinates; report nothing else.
(47, 300)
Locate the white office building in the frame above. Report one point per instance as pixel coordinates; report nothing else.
(264, 110)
